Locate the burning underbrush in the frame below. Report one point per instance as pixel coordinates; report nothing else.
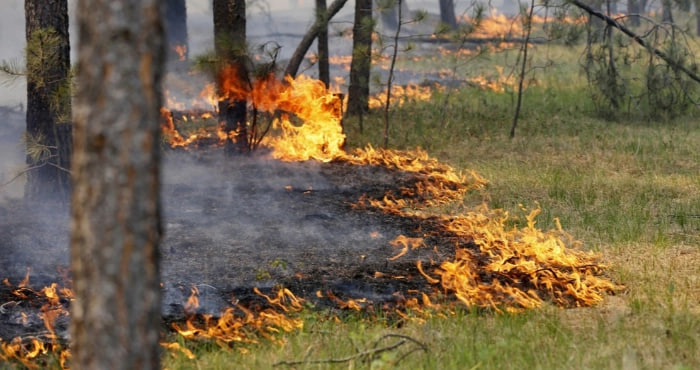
(253, 240)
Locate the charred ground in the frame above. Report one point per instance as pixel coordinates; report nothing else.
(232, 224)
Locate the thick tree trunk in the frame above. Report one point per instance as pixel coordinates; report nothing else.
(176, 28)
(447, 13)
(358, 91)
(48, 100)
(115, 229)
(230, 45)
(324, 73)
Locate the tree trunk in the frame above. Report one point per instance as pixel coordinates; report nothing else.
(447, 13)
(308, 39)
(666, 14)
(358, 91)
(697, 17)
(230, 45)
(48, 100)
(324, 73)
(115, 228)
(176, 28)
(633, 12)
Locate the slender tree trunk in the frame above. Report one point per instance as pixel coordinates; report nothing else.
(48, 100)
(308, 39)
(324, 73)
(230, 45)
(666, 14)
(176, 28)
(115, 229)
(697, 17)
(358, 91)
(447, 13)
(633, 12)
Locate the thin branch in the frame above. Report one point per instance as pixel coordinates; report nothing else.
(309, 38)
(528, 30)
(612, 22)
(362, 354)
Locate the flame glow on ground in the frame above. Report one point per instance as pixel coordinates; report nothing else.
(497, 266)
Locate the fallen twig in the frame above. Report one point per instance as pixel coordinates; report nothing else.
(367, 354)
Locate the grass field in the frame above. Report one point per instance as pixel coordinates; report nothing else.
(628, 188)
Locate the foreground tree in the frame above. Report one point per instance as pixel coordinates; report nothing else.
(231, 52)
(115, 229)
(358, 90)
(48, 139)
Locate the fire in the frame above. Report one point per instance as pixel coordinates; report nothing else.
(403, 94)
(181, 51)
(30, 350)
(241, 324)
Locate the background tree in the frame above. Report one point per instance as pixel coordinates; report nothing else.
(322, 18)
(358, 90)
(115, 229)
(231, 52)
(48, 137)
(447, 13)
(176, 27)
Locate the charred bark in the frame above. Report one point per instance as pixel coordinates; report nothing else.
(48, 100)
(358, 91)
(115, 228)
(230, 45)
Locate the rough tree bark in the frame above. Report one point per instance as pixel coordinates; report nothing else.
(176, 28)
(358, 91)
(115, 228)
(48, 100)
(230, 45)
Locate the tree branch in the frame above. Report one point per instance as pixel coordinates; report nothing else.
(612, 22)
(311, 34)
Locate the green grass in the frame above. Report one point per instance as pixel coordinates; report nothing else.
(628, 188)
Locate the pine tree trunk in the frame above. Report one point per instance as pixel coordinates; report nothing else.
(230, 45)
(48, 100)
(358, 91)
(115, 229)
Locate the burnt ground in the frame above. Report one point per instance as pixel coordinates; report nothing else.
(234, 224)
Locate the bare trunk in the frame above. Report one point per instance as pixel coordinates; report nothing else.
(447, 13)
(176, 28)
(48, 100)
(633, 12)
(308, 39)
(358, 91)
(230, 44)
(115, 229)
(324, 73)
